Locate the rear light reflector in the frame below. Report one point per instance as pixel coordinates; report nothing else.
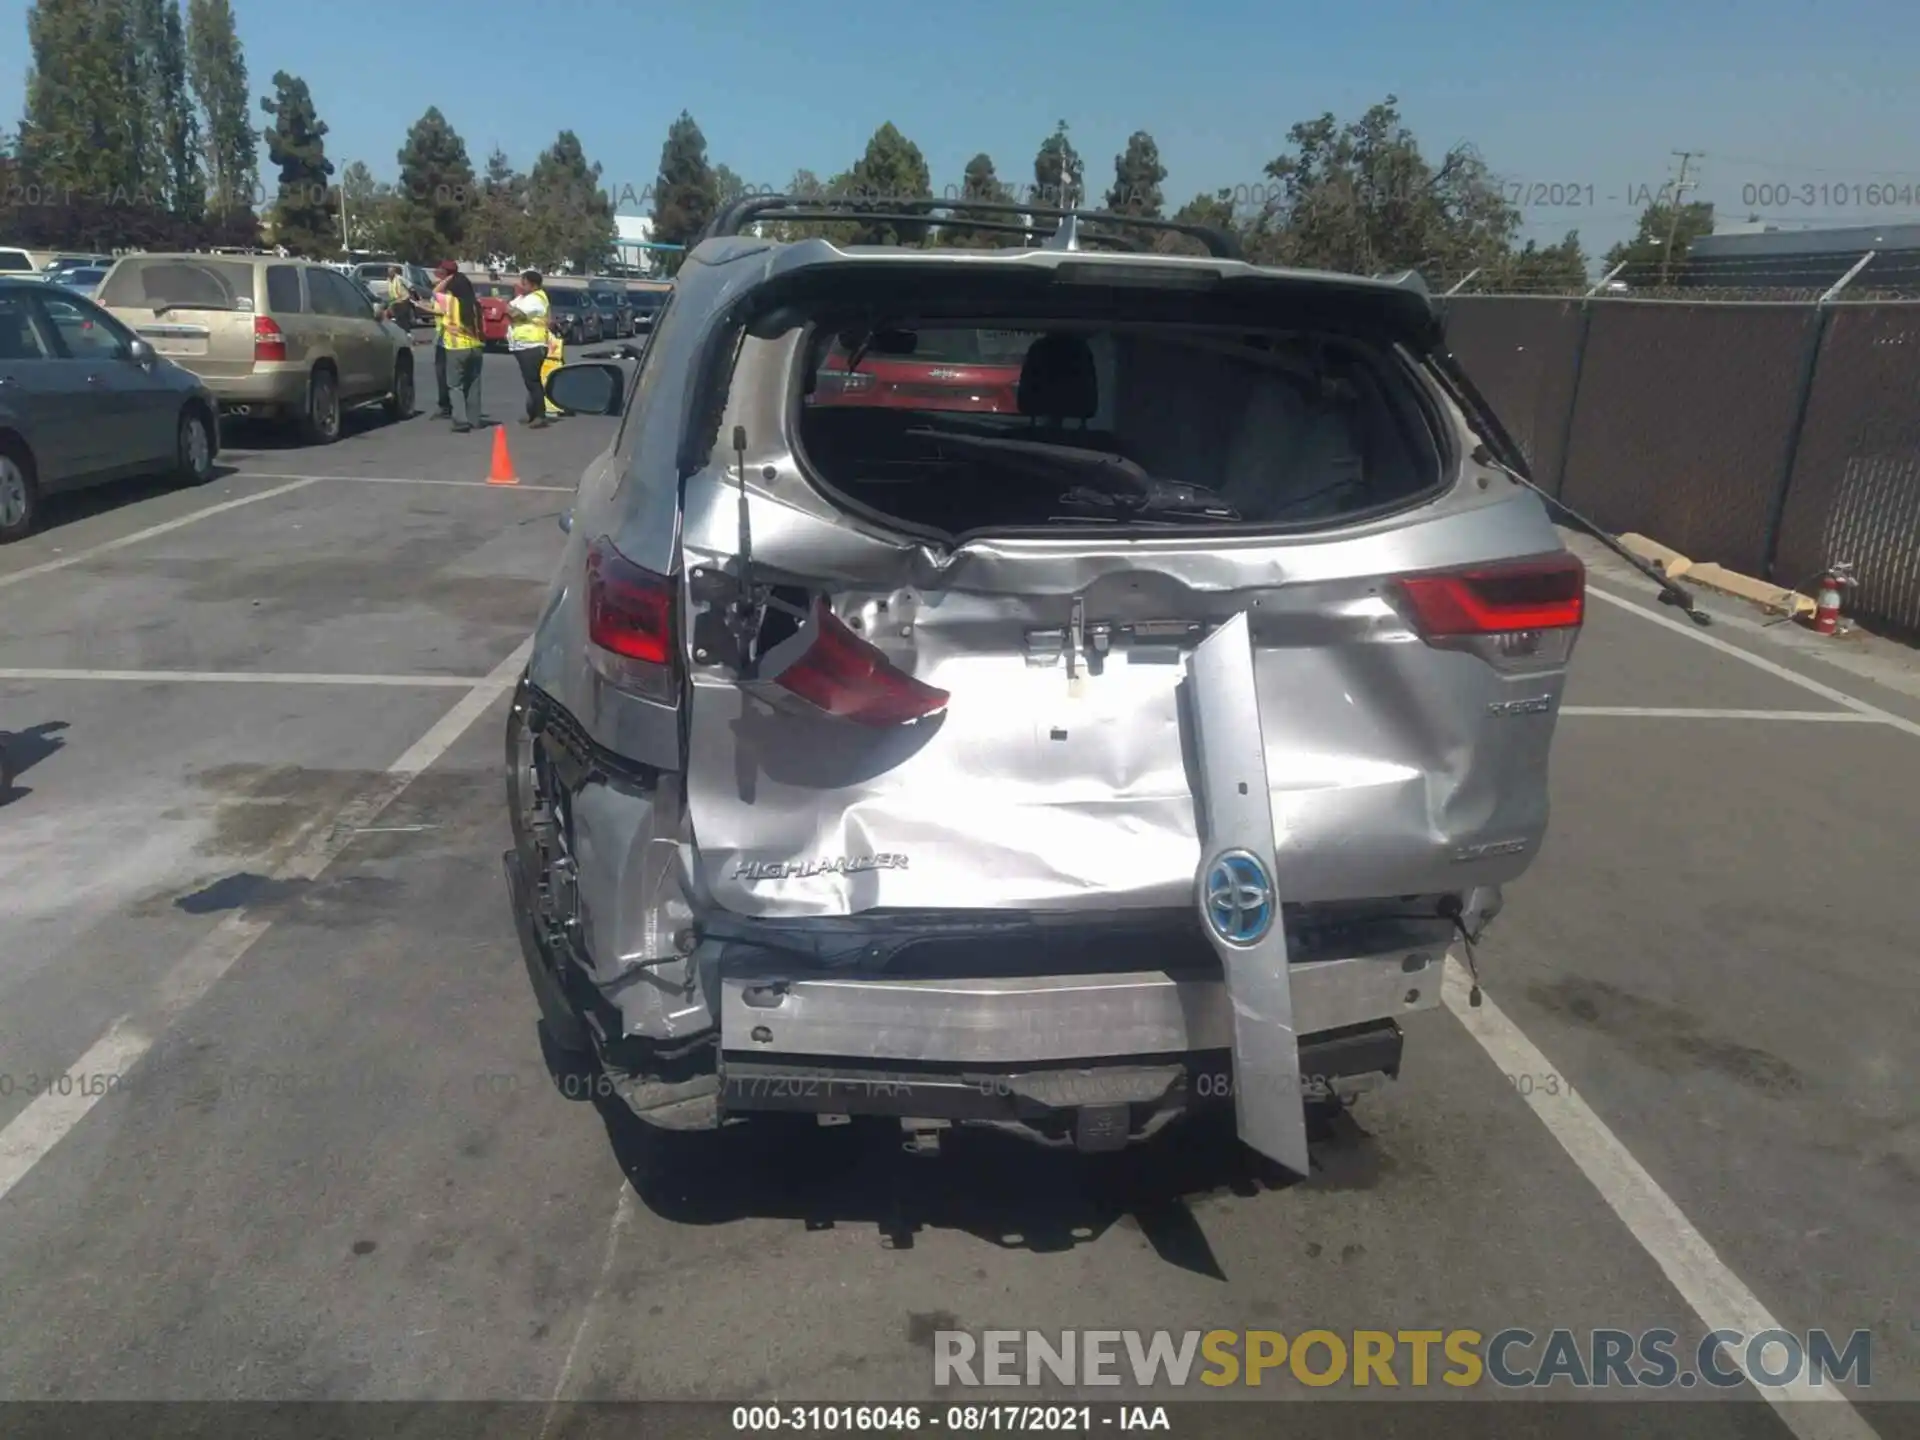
(1546, 592)
(844, 676)
(630, 614)
(269, 341)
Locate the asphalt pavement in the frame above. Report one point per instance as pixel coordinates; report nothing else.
(275, 1122)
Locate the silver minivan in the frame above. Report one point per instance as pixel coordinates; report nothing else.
(1067, 771)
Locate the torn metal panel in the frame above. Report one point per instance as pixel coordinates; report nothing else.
(634, 918)
(1237, 896)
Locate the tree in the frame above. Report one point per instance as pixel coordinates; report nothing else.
(217, 73)
(179, 130)
(497, 230)
(569, 216)
(1362, 198)
(296, 141)
(890, 176)
(686, 194)
(146, 22)
(1059, 174)
(978, 182)
(1137, 176)
(727, 187)
(82, 134)
(372, 211)
(808, 187)
(1543, 269)
(1649, 257)
(1215, 210)
(436, 193)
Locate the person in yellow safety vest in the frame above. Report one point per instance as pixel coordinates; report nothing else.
(527, 338)
(556, 357)
(459, 309)
(399, 298)
(443, 410)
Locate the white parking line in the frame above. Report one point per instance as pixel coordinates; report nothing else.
(79, 557)
(51, 1116)
(1693, 632)
(1649, 712)
(1703, 1279)
(419, 480)
(248, 677)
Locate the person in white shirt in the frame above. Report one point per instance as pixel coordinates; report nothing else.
(527, 339)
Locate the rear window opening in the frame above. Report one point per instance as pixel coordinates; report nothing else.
(951, 429)
(180, 285)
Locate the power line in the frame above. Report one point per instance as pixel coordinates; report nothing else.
(1680, 189)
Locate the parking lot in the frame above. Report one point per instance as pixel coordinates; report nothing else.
(277, 1124)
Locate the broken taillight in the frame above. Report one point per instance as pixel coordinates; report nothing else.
(1522, 611)
(843, 675)
(269, 340)
(630, 622)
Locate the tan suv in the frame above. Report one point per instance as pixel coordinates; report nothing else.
(274, 339)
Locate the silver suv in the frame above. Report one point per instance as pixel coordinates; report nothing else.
(1066, 761)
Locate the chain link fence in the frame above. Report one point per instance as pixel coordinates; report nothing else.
(1775, 437)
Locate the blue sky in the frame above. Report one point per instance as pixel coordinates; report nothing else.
(1804, 99)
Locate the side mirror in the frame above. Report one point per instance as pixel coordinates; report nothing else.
(591, 388)
(141, 353)
(566, 521)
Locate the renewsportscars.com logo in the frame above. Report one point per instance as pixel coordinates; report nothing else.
(1510, 1359)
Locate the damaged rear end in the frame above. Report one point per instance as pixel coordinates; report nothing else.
(1069, 769)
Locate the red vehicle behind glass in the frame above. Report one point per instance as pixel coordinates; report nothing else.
(977, 371)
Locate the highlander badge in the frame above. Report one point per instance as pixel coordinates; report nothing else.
(828, 865)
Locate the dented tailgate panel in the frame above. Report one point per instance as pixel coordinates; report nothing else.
(1058, 778)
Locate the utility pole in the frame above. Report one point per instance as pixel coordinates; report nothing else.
(1680, 189)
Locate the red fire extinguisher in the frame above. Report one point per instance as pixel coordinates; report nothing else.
(1829, 594)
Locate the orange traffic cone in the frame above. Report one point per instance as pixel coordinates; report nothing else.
(501, 471)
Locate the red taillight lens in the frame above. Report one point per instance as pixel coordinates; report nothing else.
(629, 610)
(1548, 592)
(846, 677)
(269, 340)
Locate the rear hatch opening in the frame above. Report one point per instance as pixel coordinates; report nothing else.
(952, 428)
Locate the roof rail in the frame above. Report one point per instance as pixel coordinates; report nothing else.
(969, 215)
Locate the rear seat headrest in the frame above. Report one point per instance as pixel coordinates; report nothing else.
(1057, 379)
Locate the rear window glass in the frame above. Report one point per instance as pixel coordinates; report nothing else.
(283, 290)
(181, 284)
(648, 300)
(606, 301)
(564, 299)
(14, 260)
(1162, 424)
